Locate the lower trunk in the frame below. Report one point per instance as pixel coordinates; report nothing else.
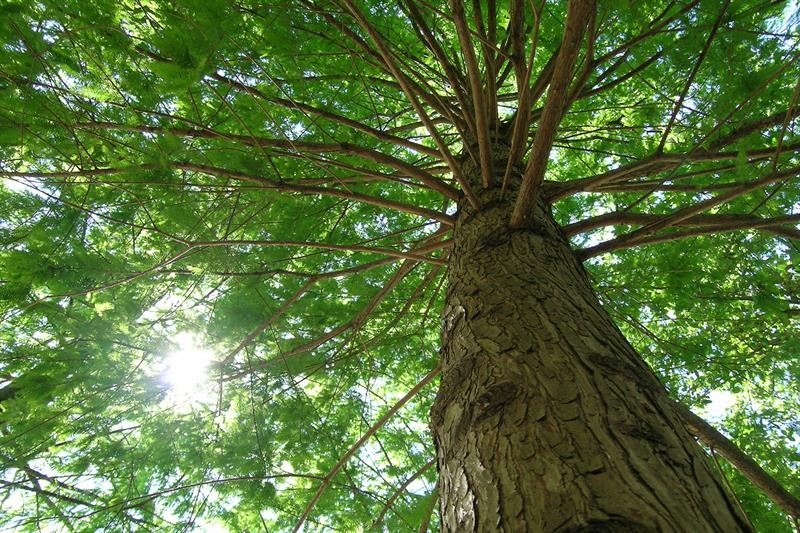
(547, 419)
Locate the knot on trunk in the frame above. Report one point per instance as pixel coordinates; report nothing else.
(493, 400)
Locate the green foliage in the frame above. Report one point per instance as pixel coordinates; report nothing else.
(155, 183)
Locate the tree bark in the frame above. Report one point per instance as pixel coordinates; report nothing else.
(546, 418)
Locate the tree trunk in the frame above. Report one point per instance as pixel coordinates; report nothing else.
(546, 418)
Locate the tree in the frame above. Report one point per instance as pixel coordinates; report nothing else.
(600, 201)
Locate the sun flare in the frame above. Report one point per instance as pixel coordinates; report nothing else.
(186, 371)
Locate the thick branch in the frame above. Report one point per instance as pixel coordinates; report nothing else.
(614, 245)
(476, 88)
(523, 70)
(487, 47)
(579, 14)
(429, 243)
(689, 211)
(453, 76)
(623, 217)
(657, 163)
(381, 62)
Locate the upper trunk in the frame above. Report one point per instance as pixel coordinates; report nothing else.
(547, 419)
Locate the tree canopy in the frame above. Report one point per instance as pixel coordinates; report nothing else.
(266, 191)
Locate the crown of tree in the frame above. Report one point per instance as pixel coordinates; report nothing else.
(333, 265)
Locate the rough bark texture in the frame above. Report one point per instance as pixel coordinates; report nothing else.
(546, 418)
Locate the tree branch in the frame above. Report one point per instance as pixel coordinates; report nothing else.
(267, 323)
(522, 118)
(291, 145)
(360, 442)
(321, 246)
(579, 13)
(478, 104)
(333, 117)
(412, 98)
(656, 163)
(453, 75)
(691, 76)
(723, 221)
(324, 191)
(429, 243)
(743, 462)
(400, 490)
(614, 244)
(689, 211)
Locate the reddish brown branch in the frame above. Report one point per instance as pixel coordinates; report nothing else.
(321, 246)
(476, 89)
(487, 47)
(380, 60)
(293, 146)
(523, 70)
(721, 221)
(579, 13)
(352, 324)
(431, 242)
(705, 205)
(654, 164)
(411, 95)
(248, 340)
(775, 227)
(323, 191)
(453, 75)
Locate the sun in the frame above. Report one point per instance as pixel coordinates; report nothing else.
(186, 372)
